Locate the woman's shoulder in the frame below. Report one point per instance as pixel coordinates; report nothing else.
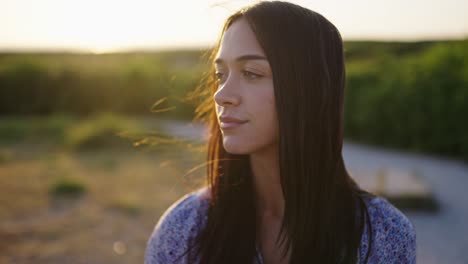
(393, 234)
(177, 226)
(186, 208)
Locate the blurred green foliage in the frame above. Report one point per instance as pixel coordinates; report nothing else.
(52, 129)
(411, 100)
(98, 131)
(104, 130)
(83, 84)
(67, 187)
(409, 95)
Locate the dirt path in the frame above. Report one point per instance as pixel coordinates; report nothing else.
(441, 237)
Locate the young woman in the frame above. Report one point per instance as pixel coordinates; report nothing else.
(278, 190)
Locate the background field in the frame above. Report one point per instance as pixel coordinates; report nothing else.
(94, 203)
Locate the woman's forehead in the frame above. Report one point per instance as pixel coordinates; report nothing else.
(238, 40)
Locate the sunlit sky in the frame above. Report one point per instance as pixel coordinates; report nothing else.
(104, 26)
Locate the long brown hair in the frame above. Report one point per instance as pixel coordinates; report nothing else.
(324, 209)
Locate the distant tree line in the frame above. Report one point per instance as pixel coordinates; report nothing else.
(84, 84)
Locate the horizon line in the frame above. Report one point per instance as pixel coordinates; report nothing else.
(155, 48)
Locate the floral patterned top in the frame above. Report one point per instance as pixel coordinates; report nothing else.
(394, 236)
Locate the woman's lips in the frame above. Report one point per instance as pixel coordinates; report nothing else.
(230, 122)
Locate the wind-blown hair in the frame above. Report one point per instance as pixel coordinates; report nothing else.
(324, 212)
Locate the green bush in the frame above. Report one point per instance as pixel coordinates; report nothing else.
(413, 102)
(67, 187)
(84, 84)
(14, 129)
(102, 131)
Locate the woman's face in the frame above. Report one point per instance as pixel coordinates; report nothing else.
(245, 102)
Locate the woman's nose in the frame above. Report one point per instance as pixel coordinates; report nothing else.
(227, 93)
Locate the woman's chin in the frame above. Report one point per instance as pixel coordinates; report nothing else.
(236, 148)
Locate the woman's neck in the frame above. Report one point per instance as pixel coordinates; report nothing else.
(269, 198)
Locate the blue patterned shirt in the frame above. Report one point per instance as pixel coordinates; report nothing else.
(394, 236)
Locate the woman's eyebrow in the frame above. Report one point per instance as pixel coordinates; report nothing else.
(242, 58)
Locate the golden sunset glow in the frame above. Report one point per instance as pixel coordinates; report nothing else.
(103, 26)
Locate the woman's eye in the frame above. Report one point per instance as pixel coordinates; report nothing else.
(250, 75)
(219, 76)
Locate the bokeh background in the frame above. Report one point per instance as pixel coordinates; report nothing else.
(97, 136)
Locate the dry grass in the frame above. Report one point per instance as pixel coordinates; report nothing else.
(124, 195)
